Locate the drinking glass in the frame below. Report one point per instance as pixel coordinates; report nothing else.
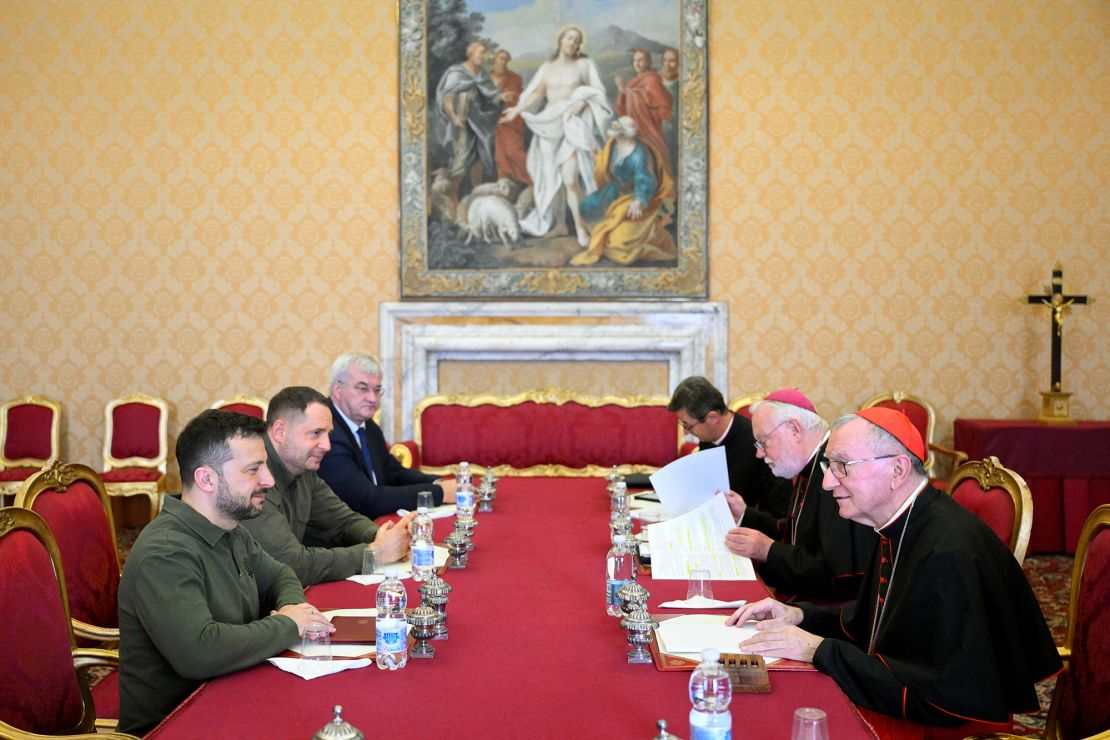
(369, 560)
(425, 499)
(316, 643)
(699, 584)
(810, 724)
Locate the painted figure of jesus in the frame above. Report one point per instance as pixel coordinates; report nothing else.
(566, 135)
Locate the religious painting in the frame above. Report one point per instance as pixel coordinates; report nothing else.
(553, 149)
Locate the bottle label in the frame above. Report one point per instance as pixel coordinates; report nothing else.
(613, 586)
(710, 725)
(464, 499)
(423, 555)
(391, 635)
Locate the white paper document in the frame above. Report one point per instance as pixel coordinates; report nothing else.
(309, 669)
(691, 480)
(436, 512)
(697, 540)
(688, 635)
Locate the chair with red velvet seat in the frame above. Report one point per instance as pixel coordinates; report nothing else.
(741, 404)
(243, 404)
(72, 500)
(135, 448)
(998, 496)
(30, 434)
(44, 674)
(921, 414)
(1079, 705)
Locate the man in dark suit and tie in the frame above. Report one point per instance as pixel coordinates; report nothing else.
(359, 467)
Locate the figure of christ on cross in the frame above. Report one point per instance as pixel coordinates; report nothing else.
(1057, 301)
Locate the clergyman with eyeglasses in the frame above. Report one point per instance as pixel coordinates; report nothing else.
(945, 629)
(359, 467)
(702, 412)
(812, 553)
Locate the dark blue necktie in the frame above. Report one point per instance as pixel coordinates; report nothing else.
(366, 453)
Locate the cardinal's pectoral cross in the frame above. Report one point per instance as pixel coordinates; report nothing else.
(1055, 402)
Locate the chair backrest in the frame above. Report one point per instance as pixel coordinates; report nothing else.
(30, 431)
(243, 404)
(72, 500)
(999, 497)
(42, 691)
(918, 410)
(135, 432)
(740, 404)
(1079, 706)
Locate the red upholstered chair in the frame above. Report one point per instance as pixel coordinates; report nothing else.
(30, 434)
(740, 404)
(135, 448)
(920, 412)
(73, 502)
(249, 405)
(44, 674)
(1079, 704)
(999, 497)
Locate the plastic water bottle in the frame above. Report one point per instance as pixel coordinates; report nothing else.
(618, 572)
(392, 629)
(423, 549)
(463, 475)
(710, 693)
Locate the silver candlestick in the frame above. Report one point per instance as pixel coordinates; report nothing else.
(640, 627)
(456, 545)
(433, 593)
(633, 597)
(424, 620)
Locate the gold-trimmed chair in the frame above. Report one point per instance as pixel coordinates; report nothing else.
(921, 415)
(998, 496)
(73, 502)
(740, 404)
(244, 404)
(30, 434)
(44, 674)
(135, 448)
(1079, 708)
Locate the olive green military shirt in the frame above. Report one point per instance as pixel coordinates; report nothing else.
(307, 527)
(195, 603)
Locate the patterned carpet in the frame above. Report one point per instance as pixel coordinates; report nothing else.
(1049, 575)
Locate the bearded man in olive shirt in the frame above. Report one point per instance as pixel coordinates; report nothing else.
(303, 523)
(198, 597)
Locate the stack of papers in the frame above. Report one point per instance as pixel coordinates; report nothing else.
(688, 635)
(697, 540)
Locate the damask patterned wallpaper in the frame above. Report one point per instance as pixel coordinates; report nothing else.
(199, 197)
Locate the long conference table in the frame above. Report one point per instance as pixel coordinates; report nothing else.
(531, 651)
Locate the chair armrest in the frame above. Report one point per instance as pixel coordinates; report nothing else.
(92, 632)
(85, 658)
(7, 731)
(407, 453)
(957, 456)
(1065, 653)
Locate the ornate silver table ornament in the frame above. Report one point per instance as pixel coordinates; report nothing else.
(466, 527)
(456, 545)
(487, 492)
(640, 627)
(338, 729)
(433, 593)
(423, 620)
(633, 597)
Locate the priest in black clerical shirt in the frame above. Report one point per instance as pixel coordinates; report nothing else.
(812, 554)
(702, 412)
(946, 629)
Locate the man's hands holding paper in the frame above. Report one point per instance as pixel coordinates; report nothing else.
(749, 543)
(736, 504)
(777, 634)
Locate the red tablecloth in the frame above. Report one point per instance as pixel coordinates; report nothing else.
(1067, 467)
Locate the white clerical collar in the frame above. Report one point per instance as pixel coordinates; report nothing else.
(905, 505)
(353, 427)
(813, 452)
(722, 438)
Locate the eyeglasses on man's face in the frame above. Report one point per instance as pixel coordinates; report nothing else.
(689, 425)
(839, 468)
(761, 442)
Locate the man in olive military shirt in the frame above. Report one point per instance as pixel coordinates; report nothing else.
(303, 523)
(198, 597)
